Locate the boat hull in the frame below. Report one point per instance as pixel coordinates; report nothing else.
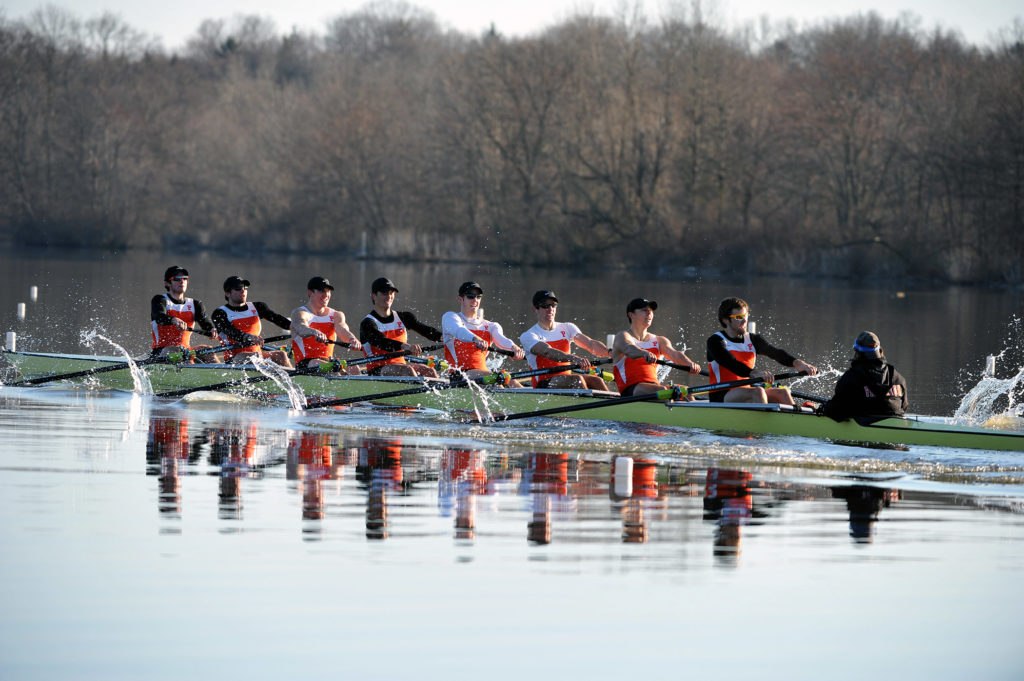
(739, 419)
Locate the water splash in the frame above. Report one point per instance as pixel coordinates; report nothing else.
(984, 402)
(140, 380)
(276, 373)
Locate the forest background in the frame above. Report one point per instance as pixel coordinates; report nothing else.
(858, 148)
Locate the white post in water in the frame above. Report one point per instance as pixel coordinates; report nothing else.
(33, 293)
(610, 340)
(623, 476)
(752, 327)
(12, 342)
(990, 366)
(21, 311)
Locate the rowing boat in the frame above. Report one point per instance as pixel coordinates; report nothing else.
(731, 419)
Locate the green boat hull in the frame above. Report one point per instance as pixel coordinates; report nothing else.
(740, 420)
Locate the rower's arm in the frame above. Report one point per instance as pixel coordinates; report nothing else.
(370, 334)
(425, 330)
(158, 311)
(763, 347)
(225, 327)
(273, 317)
(594, 347)
(718, 353)
(677, 356)
(201, 319)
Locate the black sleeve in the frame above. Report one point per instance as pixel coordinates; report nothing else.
(274, 318)
(158, 310)
(425, 330)
(763, 347)
(370, 334)
(718, 353)
(201, 319)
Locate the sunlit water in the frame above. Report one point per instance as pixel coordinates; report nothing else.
(214, 536)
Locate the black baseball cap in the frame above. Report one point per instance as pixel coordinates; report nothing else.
(382, 285)
(468, 287)
(173, 271)
(319, 284)
(540, 296)
(641, 303)
(234, 281)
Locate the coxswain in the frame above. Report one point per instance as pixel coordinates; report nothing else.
(384, 331)
(238, 323)
(316, 327)
(467, 335)
(870, 387)
(548, 343)
(731, 355)
(174, 317)
(636, 351)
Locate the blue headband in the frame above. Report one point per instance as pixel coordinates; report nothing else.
(871, 350)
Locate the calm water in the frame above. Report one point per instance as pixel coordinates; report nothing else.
(148, 538)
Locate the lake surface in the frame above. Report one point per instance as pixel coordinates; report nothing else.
(214, 538)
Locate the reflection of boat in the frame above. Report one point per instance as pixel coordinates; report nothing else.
(740, 419)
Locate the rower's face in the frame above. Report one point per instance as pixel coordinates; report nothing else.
(546, 311)
(178, 285)
(320, 297)
(736, 322)
(238, 295)
(383, 299)
(470, 303)
(643, 315)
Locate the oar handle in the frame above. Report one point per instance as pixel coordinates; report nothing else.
(501, 351)
(681, 367)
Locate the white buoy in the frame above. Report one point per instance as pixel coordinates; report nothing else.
(12, 342)
(610, 340)
(21, 311)
(33, 293)
(623, 476)
(752, 327)
(990, 366)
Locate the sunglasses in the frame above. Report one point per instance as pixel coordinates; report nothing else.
(179, 278)
(240, 288)
(473, 296)
(739, 317)
(547, 306)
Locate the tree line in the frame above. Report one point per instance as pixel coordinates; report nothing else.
(858, 148)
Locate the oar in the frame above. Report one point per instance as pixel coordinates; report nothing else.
(676, 392)
(170, 358)
(322, 368)
(808, 396)
(681, 367)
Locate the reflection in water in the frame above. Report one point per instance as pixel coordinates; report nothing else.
(310, 462)
(546, 479)
(380, 469)
(635, 484)
(864, 503)
(168, 452)
(462, 477)
(728, 502)
(234, 450)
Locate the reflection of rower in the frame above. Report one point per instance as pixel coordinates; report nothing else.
(634, 481)
(310, 462)
(234, 452)
(864, 503)
(167, 450)
(380, 468)
(463, 477)
(727, 500)
(546, 478)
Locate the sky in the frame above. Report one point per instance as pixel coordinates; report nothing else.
(175, 22)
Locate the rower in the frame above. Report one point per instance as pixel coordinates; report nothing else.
(870, 387)
(238, 323)
(548, 343)
(732, 352)
(385, 331)
(316, 327)
(174, 317)
(636, 351)
(467, 335)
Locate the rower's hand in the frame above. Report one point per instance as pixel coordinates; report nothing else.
(519, 353)
(412, 349)
(180, 323)
(253, 340)
(694, 367)
(806, 368)
(581, 362)
(354, 344)
(762, 375)
(320, 336)
(481, 343)
(649, 357)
